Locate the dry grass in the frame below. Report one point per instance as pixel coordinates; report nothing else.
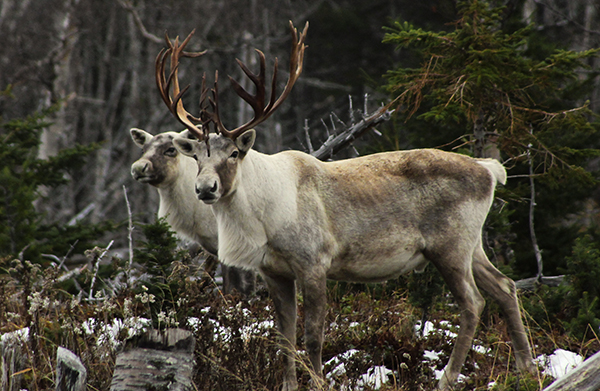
(236, 346)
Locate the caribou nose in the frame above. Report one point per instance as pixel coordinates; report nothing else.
(206, 194)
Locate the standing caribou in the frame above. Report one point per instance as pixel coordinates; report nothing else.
(296, 219)
(173, 175)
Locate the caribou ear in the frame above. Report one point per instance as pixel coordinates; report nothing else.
(140, 137)
(187, 134)
(184, 145)
(246, 140)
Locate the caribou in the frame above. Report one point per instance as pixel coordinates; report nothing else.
(298, 220)
(173, 175)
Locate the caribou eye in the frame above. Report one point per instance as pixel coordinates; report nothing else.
(195, 157)
(171, 151)
(234, 154)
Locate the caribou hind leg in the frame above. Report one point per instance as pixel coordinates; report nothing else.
(455, 268)
(502, 289)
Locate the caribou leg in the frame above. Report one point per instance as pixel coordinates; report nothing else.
(314, 291)
(455, 268)
(283, 294)
(502, 289)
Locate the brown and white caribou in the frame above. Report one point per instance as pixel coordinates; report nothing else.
(173, 175)
(298, 220)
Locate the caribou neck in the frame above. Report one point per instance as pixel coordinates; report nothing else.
(247, 217)
(190, 220)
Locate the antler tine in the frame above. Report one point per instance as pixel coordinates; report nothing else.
(257, 101)
(175, 52)
(296, 64)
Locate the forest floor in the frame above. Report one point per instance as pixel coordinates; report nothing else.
(373, 339)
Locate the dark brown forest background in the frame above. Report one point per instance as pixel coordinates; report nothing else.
(95, 58)
(92, 62)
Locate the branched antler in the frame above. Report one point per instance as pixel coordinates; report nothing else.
(175, 52)
(257, 101)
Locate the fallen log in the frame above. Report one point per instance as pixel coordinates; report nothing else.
(159, 360)
(586, 377)
(530, 284)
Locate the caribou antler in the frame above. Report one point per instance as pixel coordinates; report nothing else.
(257, 101)
(175, 105)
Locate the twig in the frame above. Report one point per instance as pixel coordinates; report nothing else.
(62, 262)
(536, 248)
(86, 211)
(96, 267)
(71, 274)
(307, 134)
(326, 128)
(130, 231)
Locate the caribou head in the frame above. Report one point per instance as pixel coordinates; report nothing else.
(161, 164)
(221, 152)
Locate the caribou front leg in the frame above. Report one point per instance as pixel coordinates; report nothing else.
(314, 291)
(283, 294)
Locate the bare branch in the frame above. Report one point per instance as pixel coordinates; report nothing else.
(333, 145)
(534, 242)
(79, 216)
(130, 232)
(126, 4)
(308, 142)
(96, 267)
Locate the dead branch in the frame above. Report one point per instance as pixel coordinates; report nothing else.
(334, 144)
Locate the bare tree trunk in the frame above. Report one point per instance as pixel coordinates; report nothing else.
(67, 35)
(104, 158)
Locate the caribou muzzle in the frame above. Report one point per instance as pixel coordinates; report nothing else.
(208, 194)
(142, 171)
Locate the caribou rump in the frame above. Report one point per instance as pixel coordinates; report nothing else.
(296, 219)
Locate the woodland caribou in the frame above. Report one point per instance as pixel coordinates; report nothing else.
(173, 175)
(296, 219)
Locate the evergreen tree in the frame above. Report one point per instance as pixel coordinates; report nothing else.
(486, 88)
(22, 176)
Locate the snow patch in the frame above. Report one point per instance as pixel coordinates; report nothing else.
(559, 363)
(375, 377)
